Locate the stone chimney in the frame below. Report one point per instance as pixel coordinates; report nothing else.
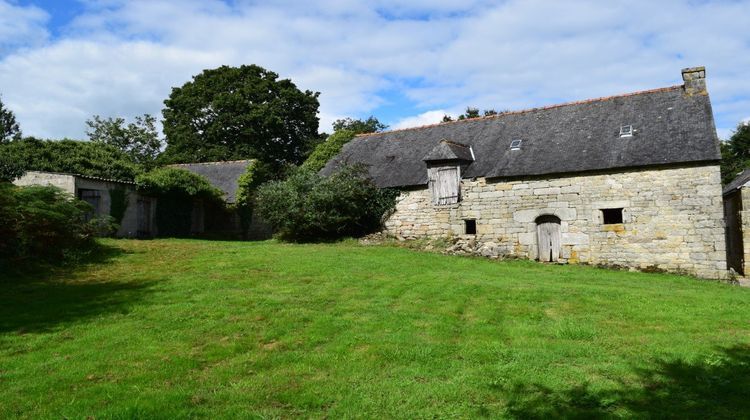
(695, 81)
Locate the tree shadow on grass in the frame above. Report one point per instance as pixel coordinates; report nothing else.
(39, 297)
(717, 386)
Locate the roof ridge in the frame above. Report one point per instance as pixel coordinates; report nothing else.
(527, 110)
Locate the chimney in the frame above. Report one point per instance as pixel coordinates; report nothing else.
(695, 81)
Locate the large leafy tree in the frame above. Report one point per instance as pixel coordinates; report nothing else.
(139, 139)
(9, 129)
(239, 113)
(735, 153)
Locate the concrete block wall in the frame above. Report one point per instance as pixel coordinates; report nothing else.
(672, 217)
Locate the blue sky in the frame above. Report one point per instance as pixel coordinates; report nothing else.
(407, 63)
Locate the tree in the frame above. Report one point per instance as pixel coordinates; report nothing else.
(139, 139)
(370, 125)
(241, 112)
(327, 150)
(9, 129)
(70, 156)
(735, 153)
(472, 113)
(346, 129)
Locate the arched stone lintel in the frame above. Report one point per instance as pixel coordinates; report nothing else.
(530, 216)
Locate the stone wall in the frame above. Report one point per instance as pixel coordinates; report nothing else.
(129, 223)
(65, 182)
(672, 218)
(745, 225)
(72, 184)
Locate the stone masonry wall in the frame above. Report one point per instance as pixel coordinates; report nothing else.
(745, 226)
(672, 218)
(65, 182)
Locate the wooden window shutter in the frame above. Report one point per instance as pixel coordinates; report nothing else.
(447, 184)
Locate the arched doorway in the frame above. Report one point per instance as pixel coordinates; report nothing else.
(548, 237)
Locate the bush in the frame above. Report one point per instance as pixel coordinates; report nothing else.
(44, 223)
(176, 190)
(256, 174)
(307, 206)
(327, 150)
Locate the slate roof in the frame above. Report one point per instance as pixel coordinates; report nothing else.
(670, 127)
(222, 175)
(739, 182)
(91, 177)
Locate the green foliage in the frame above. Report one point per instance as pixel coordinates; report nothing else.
(242, 112)
(327, 150)
(169, 180)
(70, 156)
(9, 129)
(307, 206)
(472, 112)
(42, 222)
(370, 125)
(735, 153)
(256, 174)
(176, 190)
(139, 139)
(10, 169)
(118, 204)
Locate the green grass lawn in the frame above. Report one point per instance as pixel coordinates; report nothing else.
(187, 328)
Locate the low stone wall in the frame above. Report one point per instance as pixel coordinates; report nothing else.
(672, 218)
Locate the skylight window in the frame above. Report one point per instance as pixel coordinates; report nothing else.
(515, 145)
(626, 131)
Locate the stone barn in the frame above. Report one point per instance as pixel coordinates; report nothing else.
(219, 219)
(629, 180)
(102, 193)
(737, 214)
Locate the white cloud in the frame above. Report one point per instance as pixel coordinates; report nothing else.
(122, 57)
(425, 118)
(21, 26)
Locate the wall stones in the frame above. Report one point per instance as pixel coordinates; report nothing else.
(672, 218)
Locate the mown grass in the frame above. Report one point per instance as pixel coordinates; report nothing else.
(182, 328)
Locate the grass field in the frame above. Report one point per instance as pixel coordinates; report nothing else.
(183, 328)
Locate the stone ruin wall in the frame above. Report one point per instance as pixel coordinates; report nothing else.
(672, 218)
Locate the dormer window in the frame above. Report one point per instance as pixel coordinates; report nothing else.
(626, 131)
(515, 144)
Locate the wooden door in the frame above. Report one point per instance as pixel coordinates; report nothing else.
(548, 237)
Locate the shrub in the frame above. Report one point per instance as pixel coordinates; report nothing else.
(307, 206)
(176, 190)
(43, 222)
(256, 174)
(327, 150)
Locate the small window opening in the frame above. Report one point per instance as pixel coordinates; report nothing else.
(515, 145)
(612, 216)
(470, 226)
(626, 131)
